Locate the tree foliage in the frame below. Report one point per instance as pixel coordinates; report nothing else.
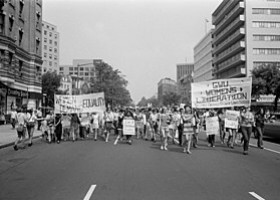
(50, 85)
(171, 98)
(112, 83)
(145, 102)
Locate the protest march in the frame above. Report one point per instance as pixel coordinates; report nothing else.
(219, 108)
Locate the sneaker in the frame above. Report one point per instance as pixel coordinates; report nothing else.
(188, 152)
(245, 153)
(165, 148)
(161, 147)
(129, 142)
(30, 144)
(116, 142)
(15, 147)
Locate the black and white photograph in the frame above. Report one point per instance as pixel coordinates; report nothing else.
(139, 99)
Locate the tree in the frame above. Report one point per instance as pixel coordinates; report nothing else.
(265, 80)
(171, 98)
(50, 85)
(112, 83)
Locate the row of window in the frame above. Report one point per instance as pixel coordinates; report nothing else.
(266, 64)
(50, 49)
(266, 51)
(50, 41)
(81, 73)
(50, 56)
(50, 34)
(262, 24)
(266, 11)
(266, 37)
(50, 63)
(48, 27)
(80, 68)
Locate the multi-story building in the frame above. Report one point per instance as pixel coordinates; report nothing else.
(20, 54)
(165, 86)
(203, 59)
(246, 35)
(185, 74)
(50, 47)
(66, 84)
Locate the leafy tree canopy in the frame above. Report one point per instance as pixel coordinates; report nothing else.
(171, 98)
(50, 85)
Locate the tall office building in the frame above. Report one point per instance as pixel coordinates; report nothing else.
(165, 86)
(246, 35)
(185, 74)
(20, 54)
(50, 47)
(203, 59)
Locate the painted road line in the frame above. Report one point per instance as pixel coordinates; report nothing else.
(89, 193)
(266, 149)
(256, 196)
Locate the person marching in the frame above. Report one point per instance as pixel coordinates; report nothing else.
(164, 121)
(221, 116)
(108, 118)
(95, 121)
(260, 119)
(187, 118)
(13, 118)
(196, 124)
(247, 122)
(74, 126)
(232, 134)
(30, 125)
(129, 116)
(58, 127)
(153, 120)
(21, 128)
(119, 126)
(50, 124)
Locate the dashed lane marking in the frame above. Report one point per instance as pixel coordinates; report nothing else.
(89, 193)
(256, 196)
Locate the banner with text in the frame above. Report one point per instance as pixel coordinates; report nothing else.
(212, 126)
(86, 103)
(222, 93)
(231, 120)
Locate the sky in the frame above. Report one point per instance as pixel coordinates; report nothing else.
(144, 39)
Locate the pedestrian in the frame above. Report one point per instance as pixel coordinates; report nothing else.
(139, 123)
(119, 125)
(58, 128)
(50, 123)
(95, 125)
(180, 126)
(221, 117)
(154, 124)
(211, 138)
(108, 119)
(164, 122)
(187, 118)
(13, 118)
(21, 128)
(195, 123)
(247, 122)
(39, 118)
(74, 126)
(129, 116)
(30, 125)
(65, 122)
(260, 120)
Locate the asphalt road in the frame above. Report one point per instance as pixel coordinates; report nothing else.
(140, 171)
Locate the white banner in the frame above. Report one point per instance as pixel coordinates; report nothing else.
(231, 120)
(128, 127)
(212, 126)
(222, 93)
(86, 103)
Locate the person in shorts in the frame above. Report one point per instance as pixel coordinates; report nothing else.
(21, 128)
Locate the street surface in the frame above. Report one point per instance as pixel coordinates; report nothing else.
(140, 171)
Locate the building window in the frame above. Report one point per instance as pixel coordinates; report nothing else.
(86, 74)
(61, 69)
(53, 28)
(50, 34)
(10, 58)
(71, 73)
(45, 55)
(266, 24)
(50, 63)
(2, 23)
(266, 37)
(11, 20)
(45, 32)
(20, 65)
(21, 4)
(50, 49)
(81, 69)
(45, 47)
(50, 41)
(71, 68)
(20, 36)
(37, 44)
(266, 64)
(50, 56)
(55, 50)
(45, 70)
(55, 57)
(266, 11)
(55, 36)
(81, 73)
(45, 40)
(266, 51)
(48, 26)
(55, 43)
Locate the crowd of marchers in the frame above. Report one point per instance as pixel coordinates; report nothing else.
(167, 125)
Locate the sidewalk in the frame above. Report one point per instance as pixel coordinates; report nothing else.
(9, 135)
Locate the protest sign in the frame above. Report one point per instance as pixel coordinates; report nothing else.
(212, 126)
(231, 120)
(128, 126)
(222, 93)
(86, 103)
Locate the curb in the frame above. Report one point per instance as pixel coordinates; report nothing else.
(12, 143)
